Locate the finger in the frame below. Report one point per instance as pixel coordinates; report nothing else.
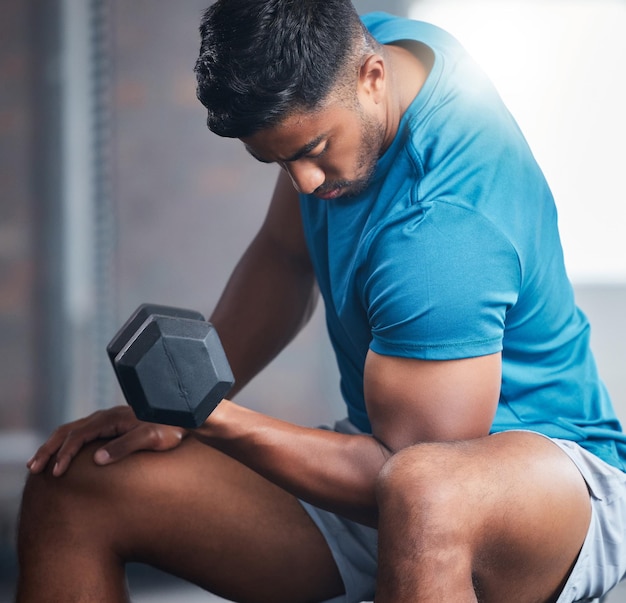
(145, 436)
(101, 424)
(38, 462)
(72, 445)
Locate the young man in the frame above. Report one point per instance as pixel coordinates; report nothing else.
(481, 459)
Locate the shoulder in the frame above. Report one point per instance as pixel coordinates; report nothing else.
(443, 249)
(447, 227)
(283, 226)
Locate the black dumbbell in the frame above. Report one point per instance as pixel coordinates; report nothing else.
(170, 365)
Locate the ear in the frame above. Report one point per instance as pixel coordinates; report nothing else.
(373, 78)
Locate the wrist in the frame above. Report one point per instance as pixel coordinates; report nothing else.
(216, 426)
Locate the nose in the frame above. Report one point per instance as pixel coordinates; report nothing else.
(306, 176)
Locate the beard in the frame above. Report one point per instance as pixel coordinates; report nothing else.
(369, 152)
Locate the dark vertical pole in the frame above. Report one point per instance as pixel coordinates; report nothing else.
(105, 231)
(51, 353)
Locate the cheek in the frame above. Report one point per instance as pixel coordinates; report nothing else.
(345, 163)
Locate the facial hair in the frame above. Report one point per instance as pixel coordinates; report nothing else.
(370, 150)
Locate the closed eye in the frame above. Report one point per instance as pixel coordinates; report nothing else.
(318, 154)
(313, 150)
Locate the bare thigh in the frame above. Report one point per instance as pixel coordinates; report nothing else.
(193, 512)
(500, 518)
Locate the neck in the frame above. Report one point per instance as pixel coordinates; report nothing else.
(409, 67)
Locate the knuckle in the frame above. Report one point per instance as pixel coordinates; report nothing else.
(155, 435)
(45, 448)
(59, 433)
(72, 434)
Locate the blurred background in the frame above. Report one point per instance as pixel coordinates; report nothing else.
(114, 193)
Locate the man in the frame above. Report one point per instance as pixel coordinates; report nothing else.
(481, 459)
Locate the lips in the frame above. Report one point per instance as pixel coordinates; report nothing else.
(328, 194)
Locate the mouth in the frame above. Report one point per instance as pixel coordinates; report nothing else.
(328, 194)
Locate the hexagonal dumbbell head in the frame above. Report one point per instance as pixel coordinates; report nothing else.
(138, 317)
(173, 370)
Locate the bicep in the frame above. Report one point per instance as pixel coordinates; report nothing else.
(410, 400)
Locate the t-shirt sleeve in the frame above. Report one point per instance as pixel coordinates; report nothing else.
(437, 283)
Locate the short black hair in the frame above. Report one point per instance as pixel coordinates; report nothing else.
(260, 60)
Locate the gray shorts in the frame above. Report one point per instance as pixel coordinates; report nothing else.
(600, 565)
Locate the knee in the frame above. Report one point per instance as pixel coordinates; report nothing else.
(49, 500)
(421, 486)
(419, 472)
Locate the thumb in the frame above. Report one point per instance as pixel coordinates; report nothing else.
(102, 457)
(120, 447)
(146, 436)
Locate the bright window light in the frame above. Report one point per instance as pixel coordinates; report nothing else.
(560, 66)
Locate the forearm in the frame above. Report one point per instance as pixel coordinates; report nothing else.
(331, 470)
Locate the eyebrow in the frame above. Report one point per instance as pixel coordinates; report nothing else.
(307, 148)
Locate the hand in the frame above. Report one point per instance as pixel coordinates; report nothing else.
(128, 434)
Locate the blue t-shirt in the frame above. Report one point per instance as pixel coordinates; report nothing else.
(454, 252)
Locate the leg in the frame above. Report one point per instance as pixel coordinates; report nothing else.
(192, 512)
(500, 518)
